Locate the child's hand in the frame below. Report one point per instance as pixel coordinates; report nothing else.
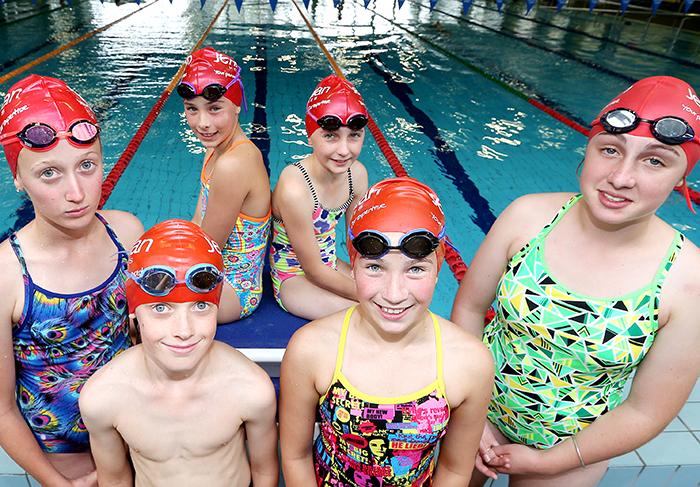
(89, 480)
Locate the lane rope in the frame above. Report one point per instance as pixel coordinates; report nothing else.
(128, 154)
(66, 46)
(452, 257)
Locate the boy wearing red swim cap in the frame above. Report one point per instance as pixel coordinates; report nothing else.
(183, 406)
(234, 198)
(63, 307)
(388, 378)
(588, 289)
(311, 197)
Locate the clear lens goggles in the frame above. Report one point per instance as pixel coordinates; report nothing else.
(160, 280)
(669, 130)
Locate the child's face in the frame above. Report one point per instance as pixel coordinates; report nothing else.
(395, 291)
(177, 336)
(211, 121)
(337, 150)
(64, 183)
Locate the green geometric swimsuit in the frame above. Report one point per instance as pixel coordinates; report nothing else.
(562, 358)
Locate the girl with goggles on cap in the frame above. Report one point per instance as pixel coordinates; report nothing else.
(184, 407)
(234, 198)
(311, 197)
(589, 288)
(388, 378)
(63, 311)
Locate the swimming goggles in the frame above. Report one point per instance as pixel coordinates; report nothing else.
(332, 123)
(210, 92)
(416, 244)
(160, 280)
(669, 130)
(42, 136)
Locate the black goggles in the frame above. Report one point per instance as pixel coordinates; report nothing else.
(332, 123)
(160, 280)
(210, 92)
(41, 136)
(416, 244)
(669, 130)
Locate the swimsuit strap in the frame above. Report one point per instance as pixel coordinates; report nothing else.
(112, 235)
(557, 218)
(14, 243)
(668, 260)
(202, 175)
(307, 178)
(438, 353)
(341, 343)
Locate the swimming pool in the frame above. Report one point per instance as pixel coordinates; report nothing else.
(478, 144)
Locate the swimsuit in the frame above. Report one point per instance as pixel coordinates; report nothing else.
(59, 342)
(562, 358)
(244, 251)
(284, 263)
(379, 441)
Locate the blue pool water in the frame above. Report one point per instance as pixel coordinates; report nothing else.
(479, 145)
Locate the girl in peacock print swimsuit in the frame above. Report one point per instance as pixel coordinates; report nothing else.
(399, 378)
(309, 200)
(589, 288)
(234, 197)
(63, 311)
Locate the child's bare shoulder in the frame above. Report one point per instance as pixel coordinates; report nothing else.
(112, 385)
(241, 378)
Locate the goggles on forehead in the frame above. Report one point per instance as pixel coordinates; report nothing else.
(416, 244)
(159, 280)
(669, 130)
(42, 136)
(332, 123)
(210, 92)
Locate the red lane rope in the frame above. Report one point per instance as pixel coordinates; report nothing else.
(113, 177)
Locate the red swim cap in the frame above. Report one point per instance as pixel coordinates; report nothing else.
(179, 245)
(398, 205)
(656, 97)
(39, 99)
(333, 96)
(208, 66)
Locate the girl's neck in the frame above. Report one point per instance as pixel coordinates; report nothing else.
(320, 174)
(235, 136)
(417, 333)
(619, 235)
(50, 234)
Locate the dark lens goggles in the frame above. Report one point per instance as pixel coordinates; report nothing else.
(41, 136)
(332, 123)
(160, 280)
(669, 130)
(210, 92)
(416, 244)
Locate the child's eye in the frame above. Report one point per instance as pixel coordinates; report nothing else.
(416, 269)
(610, 151)
(159, 307)
(87, 164)
(201, 305)
(656, 162)
(372, 267)
(48, 173)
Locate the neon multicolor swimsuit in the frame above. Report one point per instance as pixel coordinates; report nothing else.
(562, 359)
(244, 252)
(59, 342)
(379, 441)
(283, 261)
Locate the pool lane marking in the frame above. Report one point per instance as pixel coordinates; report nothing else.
(562, 53)
(260, 133)
(631, 47)
(121, 165)
(452, 257)
(539, 104)
(68, 45)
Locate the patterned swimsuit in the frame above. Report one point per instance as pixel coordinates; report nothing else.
(283, 261)
(379, 441)
(562, 358)
(59, 342)
(244, 252)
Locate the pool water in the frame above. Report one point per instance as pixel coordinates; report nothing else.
(478, 144)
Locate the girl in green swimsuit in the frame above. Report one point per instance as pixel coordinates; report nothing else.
(588, 289)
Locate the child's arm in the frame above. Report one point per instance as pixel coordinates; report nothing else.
(298, 404)
(15, 436)
(228, 187)
(108, 448)
(261, 434)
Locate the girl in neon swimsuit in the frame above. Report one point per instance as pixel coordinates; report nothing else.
(311, 197)
(234, 198)
(589, 288)
(388, 378)
(63, 310)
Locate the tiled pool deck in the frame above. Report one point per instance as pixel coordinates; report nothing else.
(670, 460)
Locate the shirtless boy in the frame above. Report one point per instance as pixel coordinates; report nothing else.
(183, 404)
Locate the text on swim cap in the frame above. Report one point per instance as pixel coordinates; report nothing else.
(366, 212)
(213, 246)
(686, 108)
(224, 59)
(319, 91)
(12, 115)
(11, 96)
(694, 97)
(140, 244)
